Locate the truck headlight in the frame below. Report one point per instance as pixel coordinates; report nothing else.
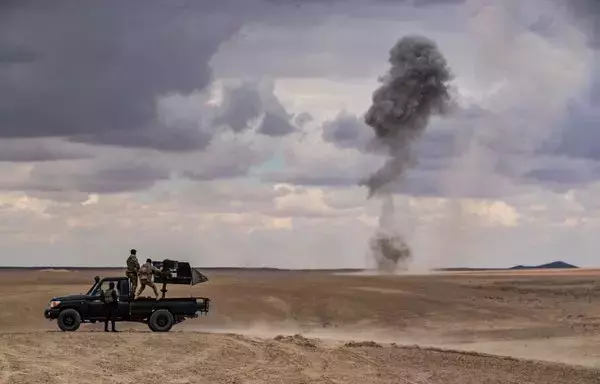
(54, 303)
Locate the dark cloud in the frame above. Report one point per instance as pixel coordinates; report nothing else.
(275, 125)
(223, 163)
(240, 106)
(276, 121)
(93, 72)
(176, 138)
(571, 156)
(419, 3)
(115, 170)
(16, 55)
(60, 196)
(39, 150)
(293, 43)
(347, 131)
(89, 177)
(559, 176)
(579, 137)
(123, 178)
(587, 14)
(246, 103)
(302, 118)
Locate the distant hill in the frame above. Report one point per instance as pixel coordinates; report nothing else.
(465, 269)
(552, 265)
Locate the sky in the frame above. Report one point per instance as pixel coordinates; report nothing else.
(232, 133)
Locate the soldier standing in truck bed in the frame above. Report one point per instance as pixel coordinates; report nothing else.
(146, 273)
(133, 268)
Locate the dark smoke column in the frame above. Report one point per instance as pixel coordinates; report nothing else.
(413, 89)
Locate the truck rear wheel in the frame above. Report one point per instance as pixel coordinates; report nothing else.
(68, 320)
(161, 321)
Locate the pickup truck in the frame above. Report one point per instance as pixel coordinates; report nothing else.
(160, 314)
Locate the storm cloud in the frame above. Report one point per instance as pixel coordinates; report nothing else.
(93, 72)
(75, 78)
(249, 103)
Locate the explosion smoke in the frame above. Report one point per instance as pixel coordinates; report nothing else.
(388, 248)
(414, 89)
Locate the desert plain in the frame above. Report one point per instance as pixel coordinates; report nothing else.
(320, 327)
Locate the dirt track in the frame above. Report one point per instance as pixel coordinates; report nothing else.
(551, 317)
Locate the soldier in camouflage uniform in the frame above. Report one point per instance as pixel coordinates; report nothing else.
(133, 268)
(146, 273)
(111, 306)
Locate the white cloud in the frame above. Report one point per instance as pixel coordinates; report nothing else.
(290, 226)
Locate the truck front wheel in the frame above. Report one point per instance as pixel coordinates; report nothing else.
(68, 320)
(161, 321)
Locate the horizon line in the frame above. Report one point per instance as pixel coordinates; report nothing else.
(448, 269)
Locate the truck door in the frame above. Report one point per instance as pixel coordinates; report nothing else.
(124, 288)
(96, 307)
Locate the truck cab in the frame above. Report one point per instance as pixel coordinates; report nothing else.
(95, 305)
(122, 285)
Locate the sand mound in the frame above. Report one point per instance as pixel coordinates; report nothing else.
(96, 357)
(362, 344)
(297, 340)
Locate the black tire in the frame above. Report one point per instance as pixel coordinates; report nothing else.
(68, 320)
(161, 321)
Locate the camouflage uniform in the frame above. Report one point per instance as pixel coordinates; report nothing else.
(133, 268)
(111, 306)
(146, 272)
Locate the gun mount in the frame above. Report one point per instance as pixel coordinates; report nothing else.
(177, 272)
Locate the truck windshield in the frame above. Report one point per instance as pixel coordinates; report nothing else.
(92, 288)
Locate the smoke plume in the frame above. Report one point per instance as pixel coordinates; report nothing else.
(414, 89)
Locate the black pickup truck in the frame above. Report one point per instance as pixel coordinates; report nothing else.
(160, 314)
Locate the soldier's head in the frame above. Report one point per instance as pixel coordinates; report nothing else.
(111, 285)
(133, 251)
(149, 261)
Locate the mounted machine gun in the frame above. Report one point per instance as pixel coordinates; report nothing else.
(176, 272)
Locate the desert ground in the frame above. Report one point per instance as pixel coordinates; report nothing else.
(320, 327)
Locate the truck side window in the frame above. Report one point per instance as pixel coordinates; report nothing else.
(123, 287)
(104, 286)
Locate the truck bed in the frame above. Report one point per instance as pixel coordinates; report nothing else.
(142, 308)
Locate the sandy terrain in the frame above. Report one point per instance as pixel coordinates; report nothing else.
(466, 325)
